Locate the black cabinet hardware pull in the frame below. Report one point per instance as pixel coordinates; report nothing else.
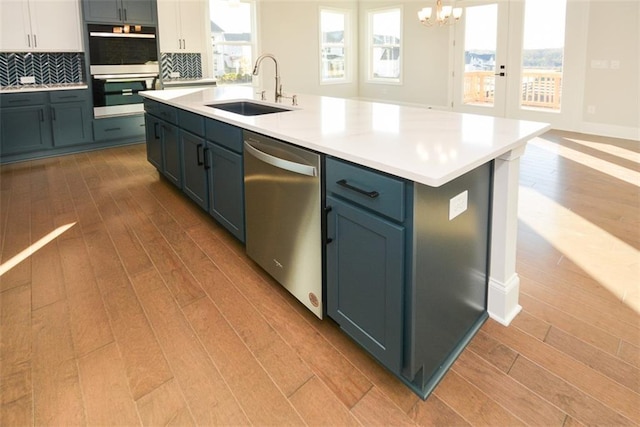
(198, 159)
(327, 210)
(371, 194)
(155, 130)
(206, 163)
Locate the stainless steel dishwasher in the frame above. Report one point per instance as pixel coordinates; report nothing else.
(283, 202)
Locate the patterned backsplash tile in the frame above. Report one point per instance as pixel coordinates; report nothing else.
(189, 65)
(46, 68)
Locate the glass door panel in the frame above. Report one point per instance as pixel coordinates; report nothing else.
(480, 58)
(542, 54)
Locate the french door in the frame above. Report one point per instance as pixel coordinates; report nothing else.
(481, 68)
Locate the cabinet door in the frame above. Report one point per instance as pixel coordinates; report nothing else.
(171, 153)
(138, 11)
(365, 279)
(61, 34)
(71, 123)
(109, 11)
(154, 141)
(192, 24)
(24, 129)
(194, 167)
(226, 189)
(15, 31)
(168, 26)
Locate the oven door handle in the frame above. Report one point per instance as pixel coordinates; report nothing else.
(124, 77)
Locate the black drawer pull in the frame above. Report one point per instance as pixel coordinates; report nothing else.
(111, 129)
(371, 194)
(198, 155)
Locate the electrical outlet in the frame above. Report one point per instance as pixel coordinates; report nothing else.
(458, 204)
(174, 74)
(615, 64)
(591, 109)
(601, 64)
(25, 80)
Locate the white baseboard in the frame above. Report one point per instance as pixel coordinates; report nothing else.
(502, 303)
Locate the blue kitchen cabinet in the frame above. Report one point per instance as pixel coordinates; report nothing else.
(25, 123)
(154, 140)
(195, 167)
(70, 117)
(120, 11)
(171, 151)
(365, 255)
(164, 148)
(119, 128)
(226, 188)
(226, 175)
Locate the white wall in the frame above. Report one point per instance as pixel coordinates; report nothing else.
(425, 63)
(290, 30)
(612, 92)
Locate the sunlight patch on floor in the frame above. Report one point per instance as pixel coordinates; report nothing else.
(17, 259)
(612, 169)
(609, 149)
(609, 260)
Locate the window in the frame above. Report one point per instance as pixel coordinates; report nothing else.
(233, 41)
(334, 46)
(385, 45)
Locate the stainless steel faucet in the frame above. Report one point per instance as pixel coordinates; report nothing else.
(256, 69)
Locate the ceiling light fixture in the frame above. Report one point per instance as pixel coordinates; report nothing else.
(443, 15)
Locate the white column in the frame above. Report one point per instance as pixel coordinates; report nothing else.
(504, 283)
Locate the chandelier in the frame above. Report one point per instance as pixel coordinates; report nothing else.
(443, 15)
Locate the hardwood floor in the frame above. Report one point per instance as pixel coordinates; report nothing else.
(145, 311)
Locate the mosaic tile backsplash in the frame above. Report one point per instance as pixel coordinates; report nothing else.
(46, 68)
(189, 65)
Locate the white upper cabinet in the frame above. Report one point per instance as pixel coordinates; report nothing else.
(181, 26)
(40, 26)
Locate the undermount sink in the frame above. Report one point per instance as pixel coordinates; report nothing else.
(247, 108)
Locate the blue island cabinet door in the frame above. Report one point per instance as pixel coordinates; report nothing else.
(194, 168)
(172, 165)
(154, 143)
(226, 189)
(365, 279)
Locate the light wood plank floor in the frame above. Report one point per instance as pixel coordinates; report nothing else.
(145, 311)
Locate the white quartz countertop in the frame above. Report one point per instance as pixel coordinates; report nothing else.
(422, 145)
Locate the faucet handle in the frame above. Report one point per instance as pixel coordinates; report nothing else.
(294, 100)
(263, 96)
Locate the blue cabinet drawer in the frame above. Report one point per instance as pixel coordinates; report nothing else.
(191, 122)
(22, 99)
(223, 134)
(119, 127)
(163, 111)
(58, 96)
(373, 190)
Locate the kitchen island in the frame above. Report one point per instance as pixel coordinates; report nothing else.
(410, 277)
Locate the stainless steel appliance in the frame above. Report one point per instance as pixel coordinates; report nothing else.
(283, 202)
(123, 62)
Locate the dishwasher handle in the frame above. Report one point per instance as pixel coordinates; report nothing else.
(288, 165)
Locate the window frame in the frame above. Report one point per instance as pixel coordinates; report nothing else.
(370, 47)
(253, 44)
(347, 45)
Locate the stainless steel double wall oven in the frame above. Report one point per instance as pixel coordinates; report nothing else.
(123, 62)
